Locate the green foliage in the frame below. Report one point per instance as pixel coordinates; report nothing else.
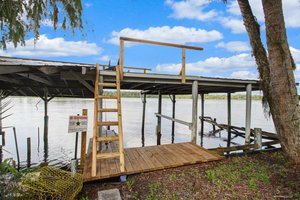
(154, 191)
(6, 167)
(19, 17)
(129, 184)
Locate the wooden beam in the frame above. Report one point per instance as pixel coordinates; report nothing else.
(173, 99)
(143, 119)
(202, 116)
(83, 143)
(36, 78)
(160, 43)
(13, 69)
(228, 119)
(248, 113)
(182, 72)
(82, 81)
(158, 128)
(10, 80)
(49, 70)
(175, 120)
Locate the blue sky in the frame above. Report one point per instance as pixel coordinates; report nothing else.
(213, 25)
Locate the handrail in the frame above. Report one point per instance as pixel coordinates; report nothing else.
(183, 47)
(175, 120)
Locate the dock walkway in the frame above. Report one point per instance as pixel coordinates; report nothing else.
(146, 159)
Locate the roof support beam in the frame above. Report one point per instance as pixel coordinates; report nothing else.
(13, 69)
(36, 78)
(10, 80)
(82, 81)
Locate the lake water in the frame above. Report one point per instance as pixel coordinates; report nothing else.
(28, 115)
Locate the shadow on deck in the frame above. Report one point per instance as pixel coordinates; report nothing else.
(146, 159)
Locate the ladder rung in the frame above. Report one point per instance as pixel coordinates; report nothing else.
(108, 84)
(108, 110)
(108, 155)
(107, 139)
(107, 97)
(108, 123)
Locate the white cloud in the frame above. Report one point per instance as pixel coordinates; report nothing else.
(236, 25)
(295, 53)
(212, 64)
(55, 47)
(191, 9)
(234, 46)
(87, 5)
(105, 58)
(244, 75)
(290, 10)
(176, 34)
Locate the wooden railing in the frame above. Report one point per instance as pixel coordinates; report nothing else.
(183, 48)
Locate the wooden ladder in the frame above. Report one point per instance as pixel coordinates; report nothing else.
(97, 112)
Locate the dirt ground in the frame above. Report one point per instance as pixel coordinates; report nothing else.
(258, 176)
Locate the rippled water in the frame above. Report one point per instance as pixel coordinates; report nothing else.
(29, 112)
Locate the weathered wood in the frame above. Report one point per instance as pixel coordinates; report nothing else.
(158, 129)
(17, 148)
(95, 127)
(248, 113)
(3, 138)
(83, 142)
(82, 81)
(1, 155)
(76, 146)
(194, 112)
(151, 158)
(121, 61)
(46, 120)
(175, 120)
(13, 69)
(228, 119)
(183, 78)
(159, 43)
(28, 152)
(173, 116)
(202, 122)
(38, 139)
(36, 78)
(258, 137)
(120, 125)
(143, 119)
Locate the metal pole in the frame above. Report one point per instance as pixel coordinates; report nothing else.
(229, 118)
(194, 112)
(143, 120)
(173, 116)
(248, 113)
(158, 128)
(202, 117)
(76, 144)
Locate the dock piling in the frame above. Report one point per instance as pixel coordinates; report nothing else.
(202, 117)
(143, 119)
(229, 119)
(248, 113)
(158, 128)
(83, 142)
(17, 148)
(194, 111)
(28, 152)
(173, 116)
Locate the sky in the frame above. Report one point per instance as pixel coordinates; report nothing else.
(213, 25)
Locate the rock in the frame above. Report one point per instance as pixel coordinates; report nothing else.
(112, 194)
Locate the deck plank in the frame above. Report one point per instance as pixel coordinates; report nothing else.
(145, 159)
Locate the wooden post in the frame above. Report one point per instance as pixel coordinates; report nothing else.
(121, 59)
(17, 148)
(46, 120)
(202, 121)
(158, 128)
(194, 112)
(258, 137)
(229, 119)
(183, 66)
(143, 120)
(3, 138)
(173, 116)
(0, 154)
(248, 113)
(28, 152)
(83, 142)
(38, 139)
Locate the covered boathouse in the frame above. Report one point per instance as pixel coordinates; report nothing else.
(50, 79)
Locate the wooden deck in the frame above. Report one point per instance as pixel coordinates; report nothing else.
(146, 159)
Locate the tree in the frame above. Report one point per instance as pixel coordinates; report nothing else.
(276, 73)
(19, 17)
